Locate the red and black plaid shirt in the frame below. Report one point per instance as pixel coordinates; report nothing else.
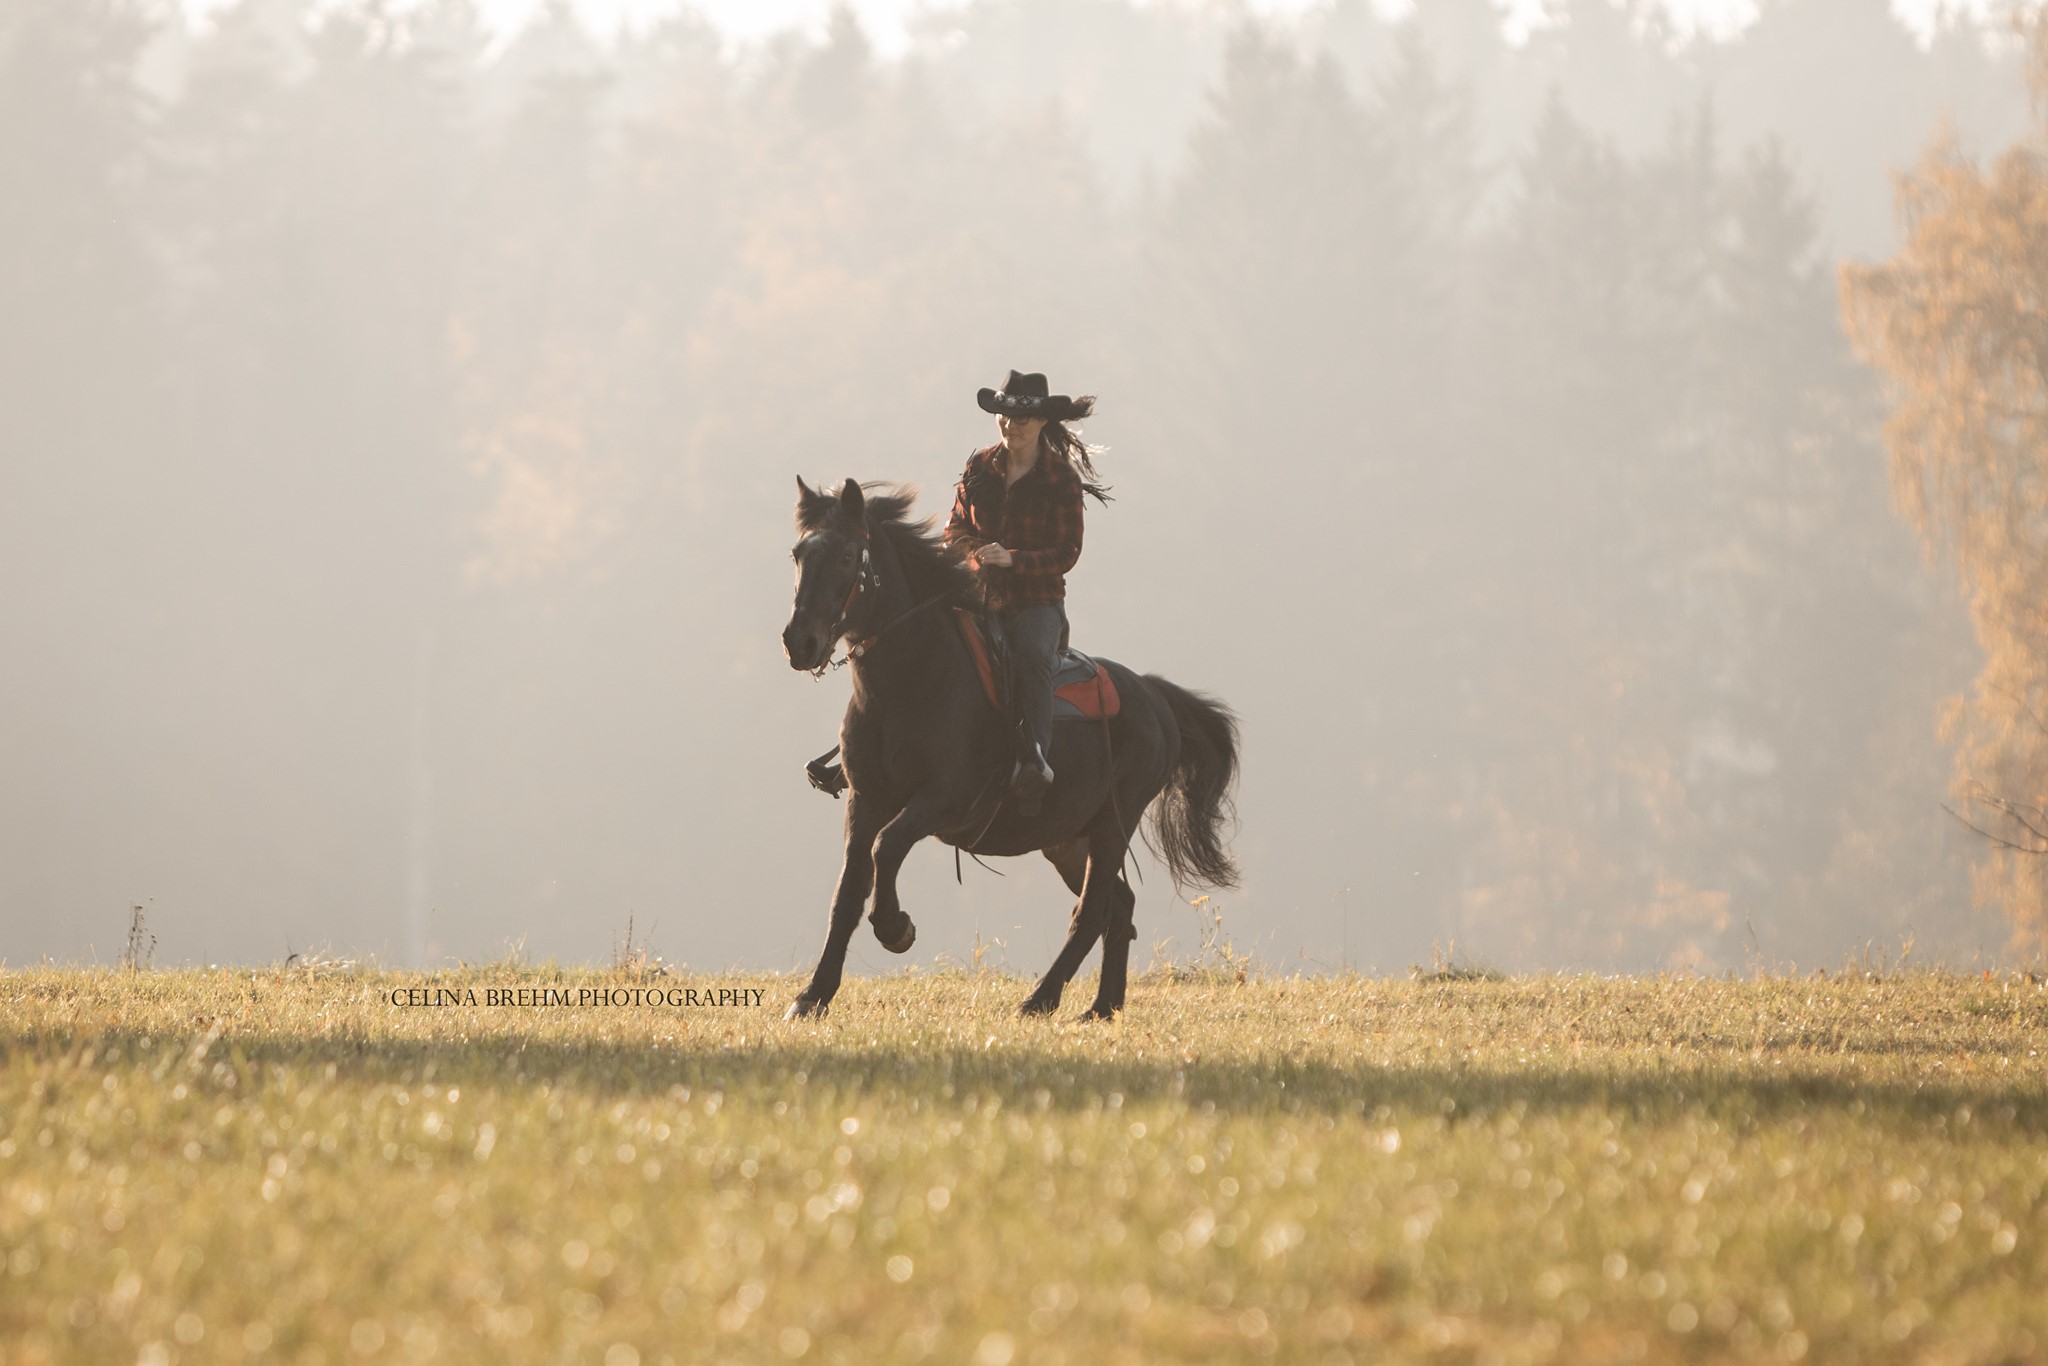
(1037, 519)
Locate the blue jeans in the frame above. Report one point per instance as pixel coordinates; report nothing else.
(1031, 637)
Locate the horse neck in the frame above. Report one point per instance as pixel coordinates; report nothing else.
(898, 596)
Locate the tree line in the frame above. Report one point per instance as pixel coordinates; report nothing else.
(399, 438)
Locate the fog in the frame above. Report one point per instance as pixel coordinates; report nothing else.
(398, 436)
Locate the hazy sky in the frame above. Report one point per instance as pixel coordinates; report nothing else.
(884, 20)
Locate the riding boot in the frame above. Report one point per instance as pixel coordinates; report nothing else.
(829, 778)
(1032, 634)
(1032, 776)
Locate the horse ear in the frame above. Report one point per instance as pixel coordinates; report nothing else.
(804, 493)
(850, 499)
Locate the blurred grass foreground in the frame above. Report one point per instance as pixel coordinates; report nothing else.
(300, 1166)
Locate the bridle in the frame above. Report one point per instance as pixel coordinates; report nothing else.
(868, 576)
(869, 579)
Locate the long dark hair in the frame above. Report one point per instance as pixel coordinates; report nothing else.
(1055, 438)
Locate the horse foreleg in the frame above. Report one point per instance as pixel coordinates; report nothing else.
(914, 822)
(856, 879)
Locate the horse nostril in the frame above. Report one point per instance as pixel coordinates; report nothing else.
(800, 646)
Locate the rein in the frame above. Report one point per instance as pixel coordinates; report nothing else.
(856, 651)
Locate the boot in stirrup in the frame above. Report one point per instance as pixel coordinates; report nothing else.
(828, 777)
(1032, 776)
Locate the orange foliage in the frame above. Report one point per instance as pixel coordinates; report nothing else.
(1958, 323)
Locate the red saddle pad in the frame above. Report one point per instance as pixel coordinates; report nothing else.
(1082, 687)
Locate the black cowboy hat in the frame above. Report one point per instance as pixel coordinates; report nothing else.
(1025, 396)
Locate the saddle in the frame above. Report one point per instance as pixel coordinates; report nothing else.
(1082, 689)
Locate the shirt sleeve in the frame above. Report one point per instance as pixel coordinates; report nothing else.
(1063, 532)
(960, 526)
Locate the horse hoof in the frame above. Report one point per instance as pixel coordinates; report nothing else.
(1099, 1011)
(1034, 1005)
(895, 930)
(806, 1007)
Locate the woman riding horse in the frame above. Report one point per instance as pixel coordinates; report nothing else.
(1017, 519)
(1017, 522)
(926, 753)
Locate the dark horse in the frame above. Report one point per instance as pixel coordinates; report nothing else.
(925, 754)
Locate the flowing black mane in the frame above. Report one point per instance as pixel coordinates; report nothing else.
(929, 564)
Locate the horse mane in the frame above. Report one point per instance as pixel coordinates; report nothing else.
(929, 563)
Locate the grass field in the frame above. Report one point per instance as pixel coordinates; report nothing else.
(203, 1166)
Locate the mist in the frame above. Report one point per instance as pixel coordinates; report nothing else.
(398, 435)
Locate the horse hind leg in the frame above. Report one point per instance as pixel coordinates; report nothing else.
(1118, 929)
(1070, 857)
(1109, 847)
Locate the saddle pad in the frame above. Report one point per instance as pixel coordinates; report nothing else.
(1082, 689)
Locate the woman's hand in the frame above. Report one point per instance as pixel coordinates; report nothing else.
(996, 556)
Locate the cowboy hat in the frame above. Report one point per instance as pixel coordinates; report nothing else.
(1025, 396)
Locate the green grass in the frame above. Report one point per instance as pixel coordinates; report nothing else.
(219, 1166)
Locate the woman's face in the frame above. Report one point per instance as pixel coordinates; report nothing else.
(1019, 433)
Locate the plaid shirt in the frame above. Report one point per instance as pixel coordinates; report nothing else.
(1038, 519)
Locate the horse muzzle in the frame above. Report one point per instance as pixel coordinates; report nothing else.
(808, 648)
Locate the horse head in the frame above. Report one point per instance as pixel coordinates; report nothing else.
(833, 566)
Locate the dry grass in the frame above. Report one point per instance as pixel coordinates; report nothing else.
(280, 1166)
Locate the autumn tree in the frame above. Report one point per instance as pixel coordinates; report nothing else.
(1957, 322)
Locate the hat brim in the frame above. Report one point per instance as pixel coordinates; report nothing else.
(1053, 408)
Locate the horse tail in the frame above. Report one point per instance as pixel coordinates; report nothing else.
(1189, 815)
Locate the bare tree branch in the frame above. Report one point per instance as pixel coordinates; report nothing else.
(2033, 824)
(2034, 818)
(1999, 840)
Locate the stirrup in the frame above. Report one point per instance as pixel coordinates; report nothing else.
(828, 777)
